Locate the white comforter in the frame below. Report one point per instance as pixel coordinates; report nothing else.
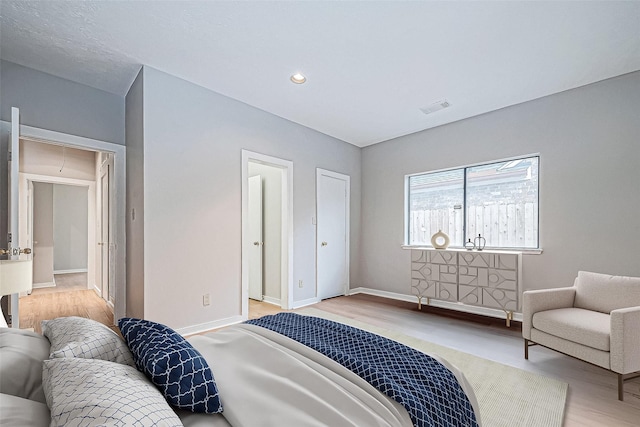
(266, 379)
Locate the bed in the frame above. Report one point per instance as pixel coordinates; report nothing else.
(282, 370)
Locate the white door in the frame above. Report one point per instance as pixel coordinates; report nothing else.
(255, 238)
(104, 244)
(332, 239)
(13, 245)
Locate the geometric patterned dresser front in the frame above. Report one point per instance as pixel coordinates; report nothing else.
(487, 279)
(435, 274)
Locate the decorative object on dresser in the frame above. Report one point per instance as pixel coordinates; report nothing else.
(469, 245)
(479, 242)
(596, 320)
(490, 279)
(440, 240)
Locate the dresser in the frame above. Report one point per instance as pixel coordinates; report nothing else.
(488, 279)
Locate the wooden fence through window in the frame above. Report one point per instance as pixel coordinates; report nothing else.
(508, 225)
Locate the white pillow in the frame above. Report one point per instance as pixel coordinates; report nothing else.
(85, 338)
(85, 392)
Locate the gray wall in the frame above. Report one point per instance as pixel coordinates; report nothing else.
(135, 198)
(52, 103)
(589, 144)
(192, 194)
(70, 227)
(57, 104)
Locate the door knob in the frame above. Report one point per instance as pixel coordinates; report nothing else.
(256, 243)
(324, 243)
(15, 251)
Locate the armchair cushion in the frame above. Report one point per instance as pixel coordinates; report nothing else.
(541, 300)
(590, 328)
(604, 293)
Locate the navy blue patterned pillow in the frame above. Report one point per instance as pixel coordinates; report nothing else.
(172, 364)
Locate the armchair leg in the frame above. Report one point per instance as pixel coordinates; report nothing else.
(526, 349)
(620, 387)
(621, 379)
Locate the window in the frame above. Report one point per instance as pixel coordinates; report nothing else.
(497, 200)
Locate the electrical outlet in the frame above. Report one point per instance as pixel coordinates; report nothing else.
(300, 284)
(206, 299)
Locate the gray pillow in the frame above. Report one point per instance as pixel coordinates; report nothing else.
(21, 356)
(18, 412)
(83, 392)
(85, 338)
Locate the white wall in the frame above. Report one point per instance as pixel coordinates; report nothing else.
(272, 226)
(589, 144)
(135, 198)
(43, 233)
(70, 228)
(192, 196)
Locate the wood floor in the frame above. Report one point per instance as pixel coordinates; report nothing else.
(592, 397)
(70, 297)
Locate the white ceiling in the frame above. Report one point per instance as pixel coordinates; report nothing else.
(370, 66)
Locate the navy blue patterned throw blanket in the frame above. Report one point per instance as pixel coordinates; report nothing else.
(428, 390)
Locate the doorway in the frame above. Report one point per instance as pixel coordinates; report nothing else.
(267, 230)
(332, 240)
(19, 133)
(58, 229)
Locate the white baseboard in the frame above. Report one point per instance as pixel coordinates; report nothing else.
(78, 270)
(304, 302)
(271, 300)
(484, 311)
(203, 327)
(98, 290)
(44, 285)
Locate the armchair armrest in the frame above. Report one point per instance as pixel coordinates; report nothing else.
(625, 340)
(542, 300)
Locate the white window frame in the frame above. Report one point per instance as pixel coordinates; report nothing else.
(407, 209)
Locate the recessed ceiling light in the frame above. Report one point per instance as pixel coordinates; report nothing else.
(298, 78)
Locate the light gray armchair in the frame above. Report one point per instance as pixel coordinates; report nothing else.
(597, 320)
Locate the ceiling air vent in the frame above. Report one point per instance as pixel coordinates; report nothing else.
(436, 106)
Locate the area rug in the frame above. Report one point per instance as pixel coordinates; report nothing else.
(507, 396)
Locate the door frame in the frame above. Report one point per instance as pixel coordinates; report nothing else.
(26, 206)
(286, 256)
(108, 162)
(337, 175)
(118, 196)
